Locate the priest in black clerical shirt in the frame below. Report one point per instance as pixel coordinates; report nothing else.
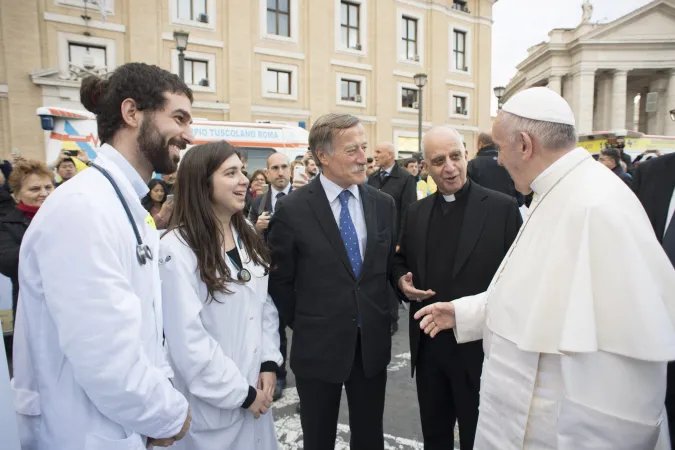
(451, 245)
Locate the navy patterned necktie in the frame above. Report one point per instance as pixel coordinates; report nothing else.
(348, 233)
(383, 176)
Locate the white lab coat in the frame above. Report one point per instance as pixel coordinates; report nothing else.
(577, 324)
(216, 349)
(90, 372)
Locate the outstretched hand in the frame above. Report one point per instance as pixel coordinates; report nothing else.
(436, 317)
(405, 284)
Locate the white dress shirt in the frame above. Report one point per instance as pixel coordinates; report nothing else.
(274, 193)
(355, 209)
(388, 171)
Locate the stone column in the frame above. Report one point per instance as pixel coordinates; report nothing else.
(584, 91)
(555, 83)
(619, 87)
(630, 110)
(670, 104)
(656, 121)
(643, 122)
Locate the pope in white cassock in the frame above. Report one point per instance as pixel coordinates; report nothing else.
(577, 324)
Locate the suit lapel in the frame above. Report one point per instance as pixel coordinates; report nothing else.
(370, 215)
(472, 225)
(321, 209)
(375, 179)
(268, 201)
(665, 194)
(421, 231)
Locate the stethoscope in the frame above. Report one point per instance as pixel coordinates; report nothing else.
(243, 273)
(143, 252)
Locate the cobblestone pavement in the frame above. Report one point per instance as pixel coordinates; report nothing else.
(401, 414)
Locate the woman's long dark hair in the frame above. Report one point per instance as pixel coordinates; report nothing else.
(196, 222)
(147, 201)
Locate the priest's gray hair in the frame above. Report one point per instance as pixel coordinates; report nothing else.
(440, 129)
(551, 135)
(326, 129)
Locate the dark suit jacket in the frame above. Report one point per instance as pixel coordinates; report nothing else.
(400, 185)
(260, 204)
(486, 171)
(653, 183)
(318, 295)
(491, 223)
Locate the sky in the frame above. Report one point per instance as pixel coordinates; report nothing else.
(520, 24)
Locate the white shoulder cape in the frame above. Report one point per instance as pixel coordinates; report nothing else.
(587, 272)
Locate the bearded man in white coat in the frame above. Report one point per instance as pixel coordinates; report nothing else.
(90, 372)
(577, 324)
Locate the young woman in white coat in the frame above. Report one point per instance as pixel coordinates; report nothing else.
(221, 327)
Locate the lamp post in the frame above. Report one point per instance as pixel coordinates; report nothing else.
(499, 93)
(181, 38)
(420, 81)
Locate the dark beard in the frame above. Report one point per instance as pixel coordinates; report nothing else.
(155, 148)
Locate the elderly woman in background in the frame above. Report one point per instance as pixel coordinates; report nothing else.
(156, 203)
(31, 182)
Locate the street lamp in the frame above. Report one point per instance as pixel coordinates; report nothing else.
(420, 81)
(181, 38)
(499, 93)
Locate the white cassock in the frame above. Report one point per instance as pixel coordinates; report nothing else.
(89, 367)
(578, 321)
(216, 348)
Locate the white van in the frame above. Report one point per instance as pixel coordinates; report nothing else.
(69, 129)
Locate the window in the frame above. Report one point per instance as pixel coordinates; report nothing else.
(194, 10)
(409, 34)
(278, 82)
(87, 56)
(409, 98)
(349, 25)
(91, 5)
(459, 103)
(460, 5)
(199, 70)
(278, 17)
(196, 72)
(350, 90)
(460, 50)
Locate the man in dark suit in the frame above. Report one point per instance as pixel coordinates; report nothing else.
(451, 245)
(402, 187)
(332, 248)
(654, 185)
(260, 212)
(279, 179)
(393, 180)
(485, 170)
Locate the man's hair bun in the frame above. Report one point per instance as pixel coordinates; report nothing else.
(92, 92)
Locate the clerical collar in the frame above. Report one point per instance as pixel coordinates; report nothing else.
(553, 173)
(457, 195)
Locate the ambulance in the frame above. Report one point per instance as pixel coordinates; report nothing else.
(72, 130)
